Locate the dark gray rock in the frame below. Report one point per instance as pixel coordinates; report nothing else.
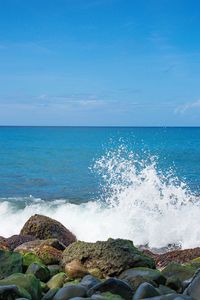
(170, 297)
(145, 290)
(50, 294)
(149, 275)
(89, 281)
(164, 290)
(114, 286)
(193, 288)
(70, 291)
(9, 292)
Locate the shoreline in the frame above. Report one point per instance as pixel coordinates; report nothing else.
(46, 261)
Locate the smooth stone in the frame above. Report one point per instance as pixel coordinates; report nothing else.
(106, 296)
(57, 281)
(70, 291)
(193, 288)
(149, 275)
(114, 286)
(145, 290)
(50, 294)
(26, 282)
(180, 271)
(164, 290)
(9, 292)
(40, 271)
(174, 283)
(89, 281)
(170, 297)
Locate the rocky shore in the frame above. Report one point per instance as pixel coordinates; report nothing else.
(45, 261)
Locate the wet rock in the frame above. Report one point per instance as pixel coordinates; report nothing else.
(50, 294)
(9, 292)
(9, 263)
(27, 282)
(193, 288)
(53, 269)
(75, 269)
(29, 258)
(89, 281)
(145, 290)
(174, 283)
(164, 290)
(114, 286)
(106, 296)
(180, 271)
(70, 291)
(111, 257)
(178, 256)
(149, 275)
(40, 271)
(43, 227)
(57, 281)
(33, 246)
(17, 239)
(170, 297)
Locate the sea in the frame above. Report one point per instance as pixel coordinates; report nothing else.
(136, 183)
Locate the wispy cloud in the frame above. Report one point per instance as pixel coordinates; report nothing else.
(181, 109)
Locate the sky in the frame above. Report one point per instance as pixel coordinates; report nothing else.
(100, 62)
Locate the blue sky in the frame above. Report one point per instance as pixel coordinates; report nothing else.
(100, 62)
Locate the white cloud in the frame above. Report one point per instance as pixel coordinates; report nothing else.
(187, 106)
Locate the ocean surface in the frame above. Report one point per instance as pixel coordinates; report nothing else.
(137, 183)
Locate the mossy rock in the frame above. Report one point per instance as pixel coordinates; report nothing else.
(111, 257)
(43, 228)
(57, 281)
(40, 271)
(10, 263)
(182, 272)
(27, 282)
(29, 258)
(49, 255)
(194, 263)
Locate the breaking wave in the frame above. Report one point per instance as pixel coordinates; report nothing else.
(137, 201)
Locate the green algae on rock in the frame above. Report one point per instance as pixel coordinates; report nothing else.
(111, 257)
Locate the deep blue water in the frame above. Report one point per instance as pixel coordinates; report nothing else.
(54, 162)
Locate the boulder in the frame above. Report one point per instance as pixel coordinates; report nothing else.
(27, 282)
(149, 275)
(111, 257)
(145, 290)
(70, 291)
(40, 271)
(43, 227)
(114, 286)
(9, 263)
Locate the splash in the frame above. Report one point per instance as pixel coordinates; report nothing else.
(137, 202)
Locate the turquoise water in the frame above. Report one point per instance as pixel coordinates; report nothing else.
(54, 162)
(102, 182)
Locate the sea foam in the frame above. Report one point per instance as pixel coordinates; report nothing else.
(136, 202)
